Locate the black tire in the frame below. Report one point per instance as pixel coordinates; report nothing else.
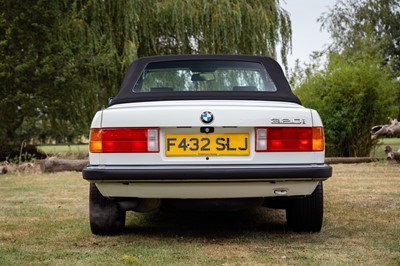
(105, 216)
(306, 214)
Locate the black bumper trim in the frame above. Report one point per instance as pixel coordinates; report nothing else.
(319, 172)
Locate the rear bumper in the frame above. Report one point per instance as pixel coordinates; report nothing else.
(166, 173)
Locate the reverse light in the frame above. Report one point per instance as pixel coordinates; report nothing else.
(124, 140)
(287, 139)
(261, 139)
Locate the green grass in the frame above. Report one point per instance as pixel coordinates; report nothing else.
(44, 221)
(72, 151)
(56, 148)
(389, 141)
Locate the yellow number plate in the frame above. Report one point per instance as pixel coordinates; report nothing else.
(236, 144)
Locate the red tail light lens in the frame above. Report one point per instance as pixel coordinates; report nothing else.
(124, 140)
(286, 139)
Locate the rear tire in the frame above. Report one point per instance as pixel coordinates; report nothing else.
(306, 214)
(105, 216)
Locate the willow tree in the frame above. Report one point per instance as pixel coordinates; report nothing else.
(108, 35)
(204, 26)
(136, 28)
(111, 34)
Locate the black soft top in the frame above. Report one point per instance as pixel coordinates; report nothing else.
(126, 95)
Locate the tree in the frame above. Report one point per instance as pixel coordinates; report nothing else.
(351, 94)
(357, 87)
(371, 25)
(49, 79)
(139, 28)
(203, 26)
(29, 55)
(352, 22)
(61, 60)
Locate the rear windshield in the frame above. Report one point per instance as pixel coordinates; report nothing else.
(204, 75)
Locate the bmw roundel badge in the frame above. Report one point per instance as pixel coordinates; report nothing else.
(207, 117)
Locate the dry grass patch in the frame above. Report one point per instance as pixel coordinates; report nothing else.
(44, 221)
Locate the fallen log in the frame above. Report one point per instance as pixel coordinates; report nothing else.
(57, 165)
(391, 129)
(392, 155)
(335, 160)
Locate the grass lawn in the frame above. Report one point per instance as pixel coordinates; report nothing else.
(379, 149)
(44, 221)
(59, 148)
(72, 151)
(389, 141)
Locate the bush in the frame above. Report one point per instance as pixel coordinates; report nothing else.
(352, 94)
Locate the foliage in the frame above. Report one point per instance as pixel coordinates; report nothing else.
(61, 60)
(352, 94)
(45, 89)
(352, 22)
(356, 87)
(203, 26)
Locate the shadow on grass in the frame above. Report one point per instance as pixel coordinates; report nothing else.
(204, 224)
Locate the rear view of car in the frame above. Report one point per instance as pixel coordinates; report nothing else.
(206, 132)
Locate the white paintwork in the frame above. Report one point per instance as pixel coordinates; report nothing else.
(187, 113)
(204, 190)
(184, 117)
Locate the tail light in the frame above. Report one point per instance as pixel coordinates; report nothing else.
(286, 139)
(124, 140)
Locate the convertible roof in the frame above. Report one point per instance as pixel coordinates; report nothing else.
(283, 93)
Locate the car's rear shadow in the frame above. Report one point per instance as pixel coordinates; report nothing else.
(200, 224)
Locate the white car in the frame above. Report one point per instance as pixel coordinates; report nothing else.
(206, 132)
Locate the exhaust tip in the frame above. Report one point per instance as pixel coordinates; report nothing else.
(280, 192)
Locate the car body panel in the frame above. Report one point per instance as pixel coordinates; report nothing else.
(183, 117)
(210, 190)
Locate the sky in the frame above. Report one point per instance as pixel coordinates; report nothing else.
(306, 31)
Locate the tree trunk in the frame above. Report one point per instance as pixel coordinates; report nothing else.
(392, 155)
(334, 160)
(51, 166)
(3, 170)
